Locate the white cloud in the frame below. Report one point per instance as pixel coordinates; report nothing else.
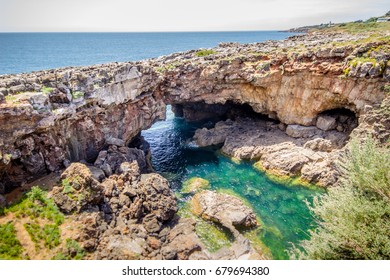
(179, 15)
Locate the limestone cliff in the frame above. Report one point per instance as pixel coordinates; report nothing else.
(51, 118)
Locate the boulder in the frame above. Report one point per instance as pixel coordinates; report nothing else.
(79, 189)
(205, 137)
(326, 122)
(225, 209)
(157, 197)
(110, 160)
(299, 131)
(115, 141)
(319, 144)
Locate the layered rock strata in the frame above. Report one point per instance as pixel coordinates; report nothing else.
(51, 118)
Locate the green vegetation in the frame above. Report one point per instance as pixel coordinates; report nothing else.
(12, 98)
(49, 234)
(202, 53)
(10, 247)
(386, 89)
(37, 205)
(77, 94)
(354, 217)
(47, 90)
(358, 27)
(72, 251)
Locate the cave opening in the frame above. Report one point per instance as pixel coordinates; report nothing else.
(340, 119)
(201, 111)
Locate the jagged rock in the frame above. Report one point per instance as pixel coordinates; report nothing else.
(182, 241)
(326, 123)
(322, 173)
(79, 189)
(204, 137)
(115, 142)
(110, 161)
(157, 197)
(151, 223)
(97, 173)
(222, 208)
(286, 159)
(319, 144)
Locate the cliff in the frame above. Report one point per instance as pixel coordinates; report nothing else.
(51, 118)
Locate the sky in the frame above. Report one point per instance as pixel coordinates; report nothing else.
(179, 15)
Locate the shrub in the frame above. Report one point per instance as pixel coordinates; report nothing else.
(354, 217)
(10, 247)
(49, 234)
(202, 53)
(47, 90)
(72, 251)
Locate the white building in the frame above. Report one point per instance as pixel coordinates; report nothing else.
(383, 19)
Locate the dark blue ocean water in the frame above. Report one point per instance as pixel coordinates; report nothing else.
(25, 52)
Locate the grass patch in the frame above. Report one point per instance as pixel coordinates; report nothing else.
(386, 89)
(77, 94)
(10, 247)
(72, 251)
(47, 90)
(49, 234)
(358, 27)
(203, 53)
(12, 99)
(36, 205)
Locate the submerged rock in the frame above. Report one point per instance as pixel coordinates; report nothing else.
(194, 185)
(225, 209)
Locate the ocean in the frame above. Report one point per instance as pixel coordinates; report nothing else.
(26, 52)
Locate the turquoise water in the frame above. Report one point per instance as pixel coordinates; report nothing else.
(282, 209)
(25, 52)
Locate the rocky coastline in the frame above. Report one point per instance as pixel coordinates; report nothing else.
(290, 106)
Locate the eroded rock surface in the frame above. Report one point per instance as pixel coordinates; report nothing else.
(51, 118)
(225, 209)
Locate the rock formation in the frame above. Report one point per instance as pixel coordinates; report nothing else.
(51, 118)
(290, 105)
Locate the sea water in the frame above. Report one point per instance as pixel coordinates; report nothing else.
(282, 209)
(26, 52)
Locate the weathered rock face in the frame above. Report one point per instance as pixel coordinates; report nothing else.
(51, 118)
(309, 156)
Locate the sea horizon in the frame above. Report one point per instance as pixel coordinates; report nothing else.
(23, 52)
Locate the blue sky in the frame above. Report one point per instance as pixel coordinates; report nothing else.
(179, 15)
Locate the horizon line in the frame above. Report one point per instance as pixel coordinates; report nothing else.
(208, 31)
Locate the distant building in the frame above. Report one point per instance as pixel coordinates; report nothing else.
(383, 19)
